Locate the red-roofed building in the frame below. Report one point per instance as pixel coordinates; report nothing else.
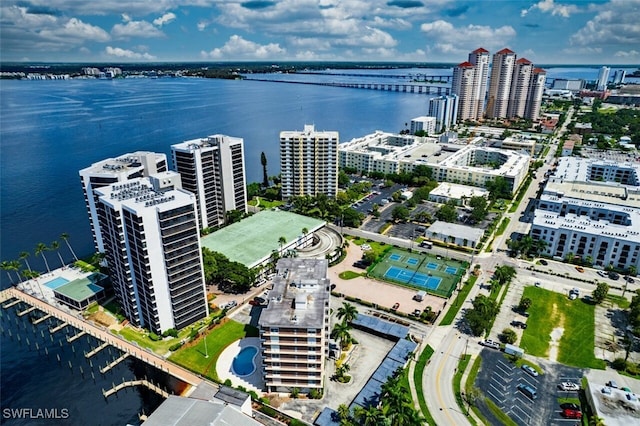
(470, 85)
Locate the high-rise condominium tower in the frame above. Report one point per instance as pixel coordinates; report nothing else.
(113, 170)
(500, 83)
(445, 110)
(152, 245)
(603, 78)
(309, 162)
(534, 97)
(470, 85)
(212, 168)
(518, 94)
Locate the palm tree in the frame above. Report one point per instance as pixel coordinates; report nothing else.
(341, 333)
(65, 238)
(305, 231)
(344, 415)
(23, 257)
(40, 249)
(282, 241)
(503, 274)
(15, 266)
(56, 247)
(369, 416)
(6, 266)
(347, 312)
(265, 177)
(342, 370)
(33, 275)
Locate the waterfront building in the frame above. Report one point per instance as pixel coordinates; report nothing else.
(294, 327)
(534, 97)
(603, 78)
(213, 169)
(152, 245)
(423, 124)
(377, 152)
(469, 83)
(116, 170)
(519, 91)
(445, 110)
(619, 76)
(574, 85)
(590, 209)
(309, 162)
(502, 70)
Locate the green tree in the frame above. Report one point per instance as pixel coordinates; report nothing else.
(265, 176)
(7, 266)
(281, 242)
(400, 213)
(341, 334)
(234, 216)
(370, 416)
(55, 246)
(504, 274)
(369, 257)
(447, 213)
(65, 238)
(341, 371)
(508, 336)
(600, 292)
(498, 188)
(525, 303)
(352, 218)
(343, 179)
(40, 249)
(347, 312)
(480, 317)
(23, 256)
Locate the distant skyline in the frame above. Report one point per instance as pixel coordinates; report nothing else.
(115, 31)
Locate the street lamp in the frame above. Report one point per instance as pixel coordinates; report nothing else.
(206, 351)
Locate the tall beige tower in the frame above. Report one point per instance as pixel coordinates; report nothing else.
(520, 83)
(500, 83)
(536, 90)
(470, 85)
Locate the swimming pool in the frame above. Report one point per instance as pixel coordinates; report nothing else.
(57, 282)
(243, 364)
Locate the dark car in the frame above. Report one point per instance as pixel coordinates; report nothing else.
(543, 262)
(519, 324)
(614, 275)
(629, 279)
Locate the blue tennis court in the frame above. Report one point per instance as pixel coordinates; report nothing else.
(57, 282)
(432, 265)
(413, 261)
(395, 257)
(451, 270)
(410, 277)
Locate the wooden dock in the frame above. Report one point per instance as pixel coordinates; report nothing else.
(114, 363)
(146, 383)
(76, 336)
(58, 327)
(10, 304)
(26, 311)
(42, 318)
(95, 350)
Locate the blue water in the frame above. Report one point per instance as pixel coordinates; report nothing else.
(57, 282)
(243, 364)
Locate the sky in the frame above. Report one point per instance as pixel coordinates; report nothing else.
(120, 31)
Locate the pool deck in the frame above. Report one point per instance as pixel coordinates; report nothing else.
(253, 381)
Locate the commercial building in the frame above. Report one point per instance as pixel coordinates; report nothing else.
(574, 85)
(294, 327)
(590, 209)
(152, 245)
(445, 110)
(462, 235)
(470, 85)
(423, 124)
(502, 70)
(113, 170)
(603, 78)
(213, 169)
(309, 162)
(460, 194)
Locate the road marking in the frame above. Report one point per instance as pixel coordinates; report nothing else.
(438, 374)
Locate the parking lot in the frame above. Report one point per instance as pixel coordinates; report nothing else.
(498, 379)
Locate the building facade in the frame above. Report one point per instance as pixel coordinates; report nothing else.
(469, 83)
(423, 124)
(309, 162)
(534, 97)
(520, 83)
(115, 170)
(213, 169)
(152, 245)
(294, 327)
(502, 70)
(445, 110)
(603, 78)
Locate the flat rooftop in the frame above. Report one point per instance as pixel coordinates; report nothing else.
(82, 288)
(254, 238)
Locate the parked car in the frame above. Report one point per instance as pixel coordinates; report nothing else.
(569, 386)
(606, 390)
(580, 269)
(490, 344)
(602, 273)
(614, 275)
(569, 406)
(417, 312)
(519, 324)
(612, 384)
(395, 306)
(543, 262)
(232, 304)
(254, 302)
(528, 391)
(571, 413)
(530, 370)
(628, 279)
(631, 397)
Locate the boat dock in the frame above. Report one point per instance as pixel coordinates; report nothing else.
(95, 350)
(114, 363)
(157, 389)
(41, 319)
(75, 336)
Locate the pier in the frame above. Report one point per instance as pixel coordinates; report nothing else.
(114, 363)
(75, 336)
(412, 77)
(26, 311)
(102, 334)
(57, 328)
(94, 351)
(425, 89)
(10, 304)
(146, 383)
(41, 319)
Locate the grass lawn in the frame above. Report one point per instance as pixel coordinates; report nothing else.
(457, 378)
(457, 303)
(349, 275)
(554, 310)
(193, 357)
(417, 380)
(503, 226)
(160, 347)
(378, 248)
(622, 302)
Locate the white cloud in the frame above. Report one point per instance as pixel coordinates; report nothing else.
(136, 29)
(75, 29)
(616, 23)
(627, 54)
(550, 6)
(127, 54)
(239, 48)
(446, 38)
(202, 25)
(164, 19)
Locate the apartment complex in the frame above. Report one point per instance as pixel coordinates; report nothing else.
(423, 124)
(502, 68)
(470, 85)
(377, 152)
(309, 162)
(152, 245)
(213, 169)
(115, 170)
(445, 111)
(294, 327)
(590, 209)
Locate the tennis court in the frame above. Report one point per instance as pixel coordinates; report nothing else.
(451, 270)
(411, 277)
(432, 265)
(413, 261)
(395, 257)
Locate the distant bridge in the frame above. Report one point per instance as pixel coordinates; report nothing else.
(414, 77)
(425, 89)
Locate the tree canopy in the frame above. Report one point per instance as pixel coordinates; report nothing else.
(230, 276)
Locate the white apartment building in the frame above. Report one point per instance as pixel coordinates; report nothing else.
(502, 69)
(591, 210)
(469, 83)
(309, 162)
(445, 110)
(574, 85)
(377, 152)
(294, 327)
(518, 94)
(213, 169)
(116, 170)
(474, 165)
(423, 123)
(536, 91)
(152, 245)
(603, 78)
(460, 194)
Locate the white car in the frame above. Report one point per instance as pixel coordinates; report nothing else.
(490, 344)
(529, 370)
(569, 386)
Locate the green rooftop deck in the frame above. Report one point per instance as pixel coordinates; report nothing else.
(83, 288)
(254, 238)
